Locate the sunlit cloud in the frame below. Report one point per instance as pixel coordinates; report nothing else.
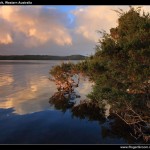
(91, 19)
(48, 30)
(37, 25)
(5, 32)
(145, 8)
(5, 39)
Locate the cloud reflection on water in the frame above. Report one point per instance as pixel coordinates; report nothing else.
(27, 89)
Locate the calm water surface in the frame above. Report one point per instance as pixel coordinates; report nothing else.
(26, 116)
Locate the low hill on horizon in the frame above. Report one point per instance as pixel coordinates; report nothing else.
(41, 57)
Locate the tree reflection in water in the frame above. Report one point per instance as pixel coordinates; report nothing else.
(89, 111)
(60, 101)
(65, 98)
(112, 127)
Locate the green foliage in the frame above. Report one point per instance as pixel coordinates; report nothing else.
(121, 64)
(62, 72)
(120, 69)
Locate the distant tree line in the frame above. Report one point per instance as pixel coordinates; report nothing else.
(41, 57)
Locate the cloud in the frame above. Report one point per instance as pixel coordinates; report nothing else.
(5, 33)
(49, 30)
(93, 18)
(146, 8)
(38, 25)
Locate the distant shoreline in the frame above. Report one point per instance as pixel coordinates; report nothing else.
(41, 57)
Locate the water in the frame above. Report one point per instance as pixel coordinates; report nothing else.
(26, 116)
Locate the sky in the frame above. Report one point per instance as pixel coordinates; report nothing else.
(55, 30)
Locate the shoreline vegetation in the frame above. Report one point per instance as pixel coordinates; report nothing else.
(41, 57)
(120, 70)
